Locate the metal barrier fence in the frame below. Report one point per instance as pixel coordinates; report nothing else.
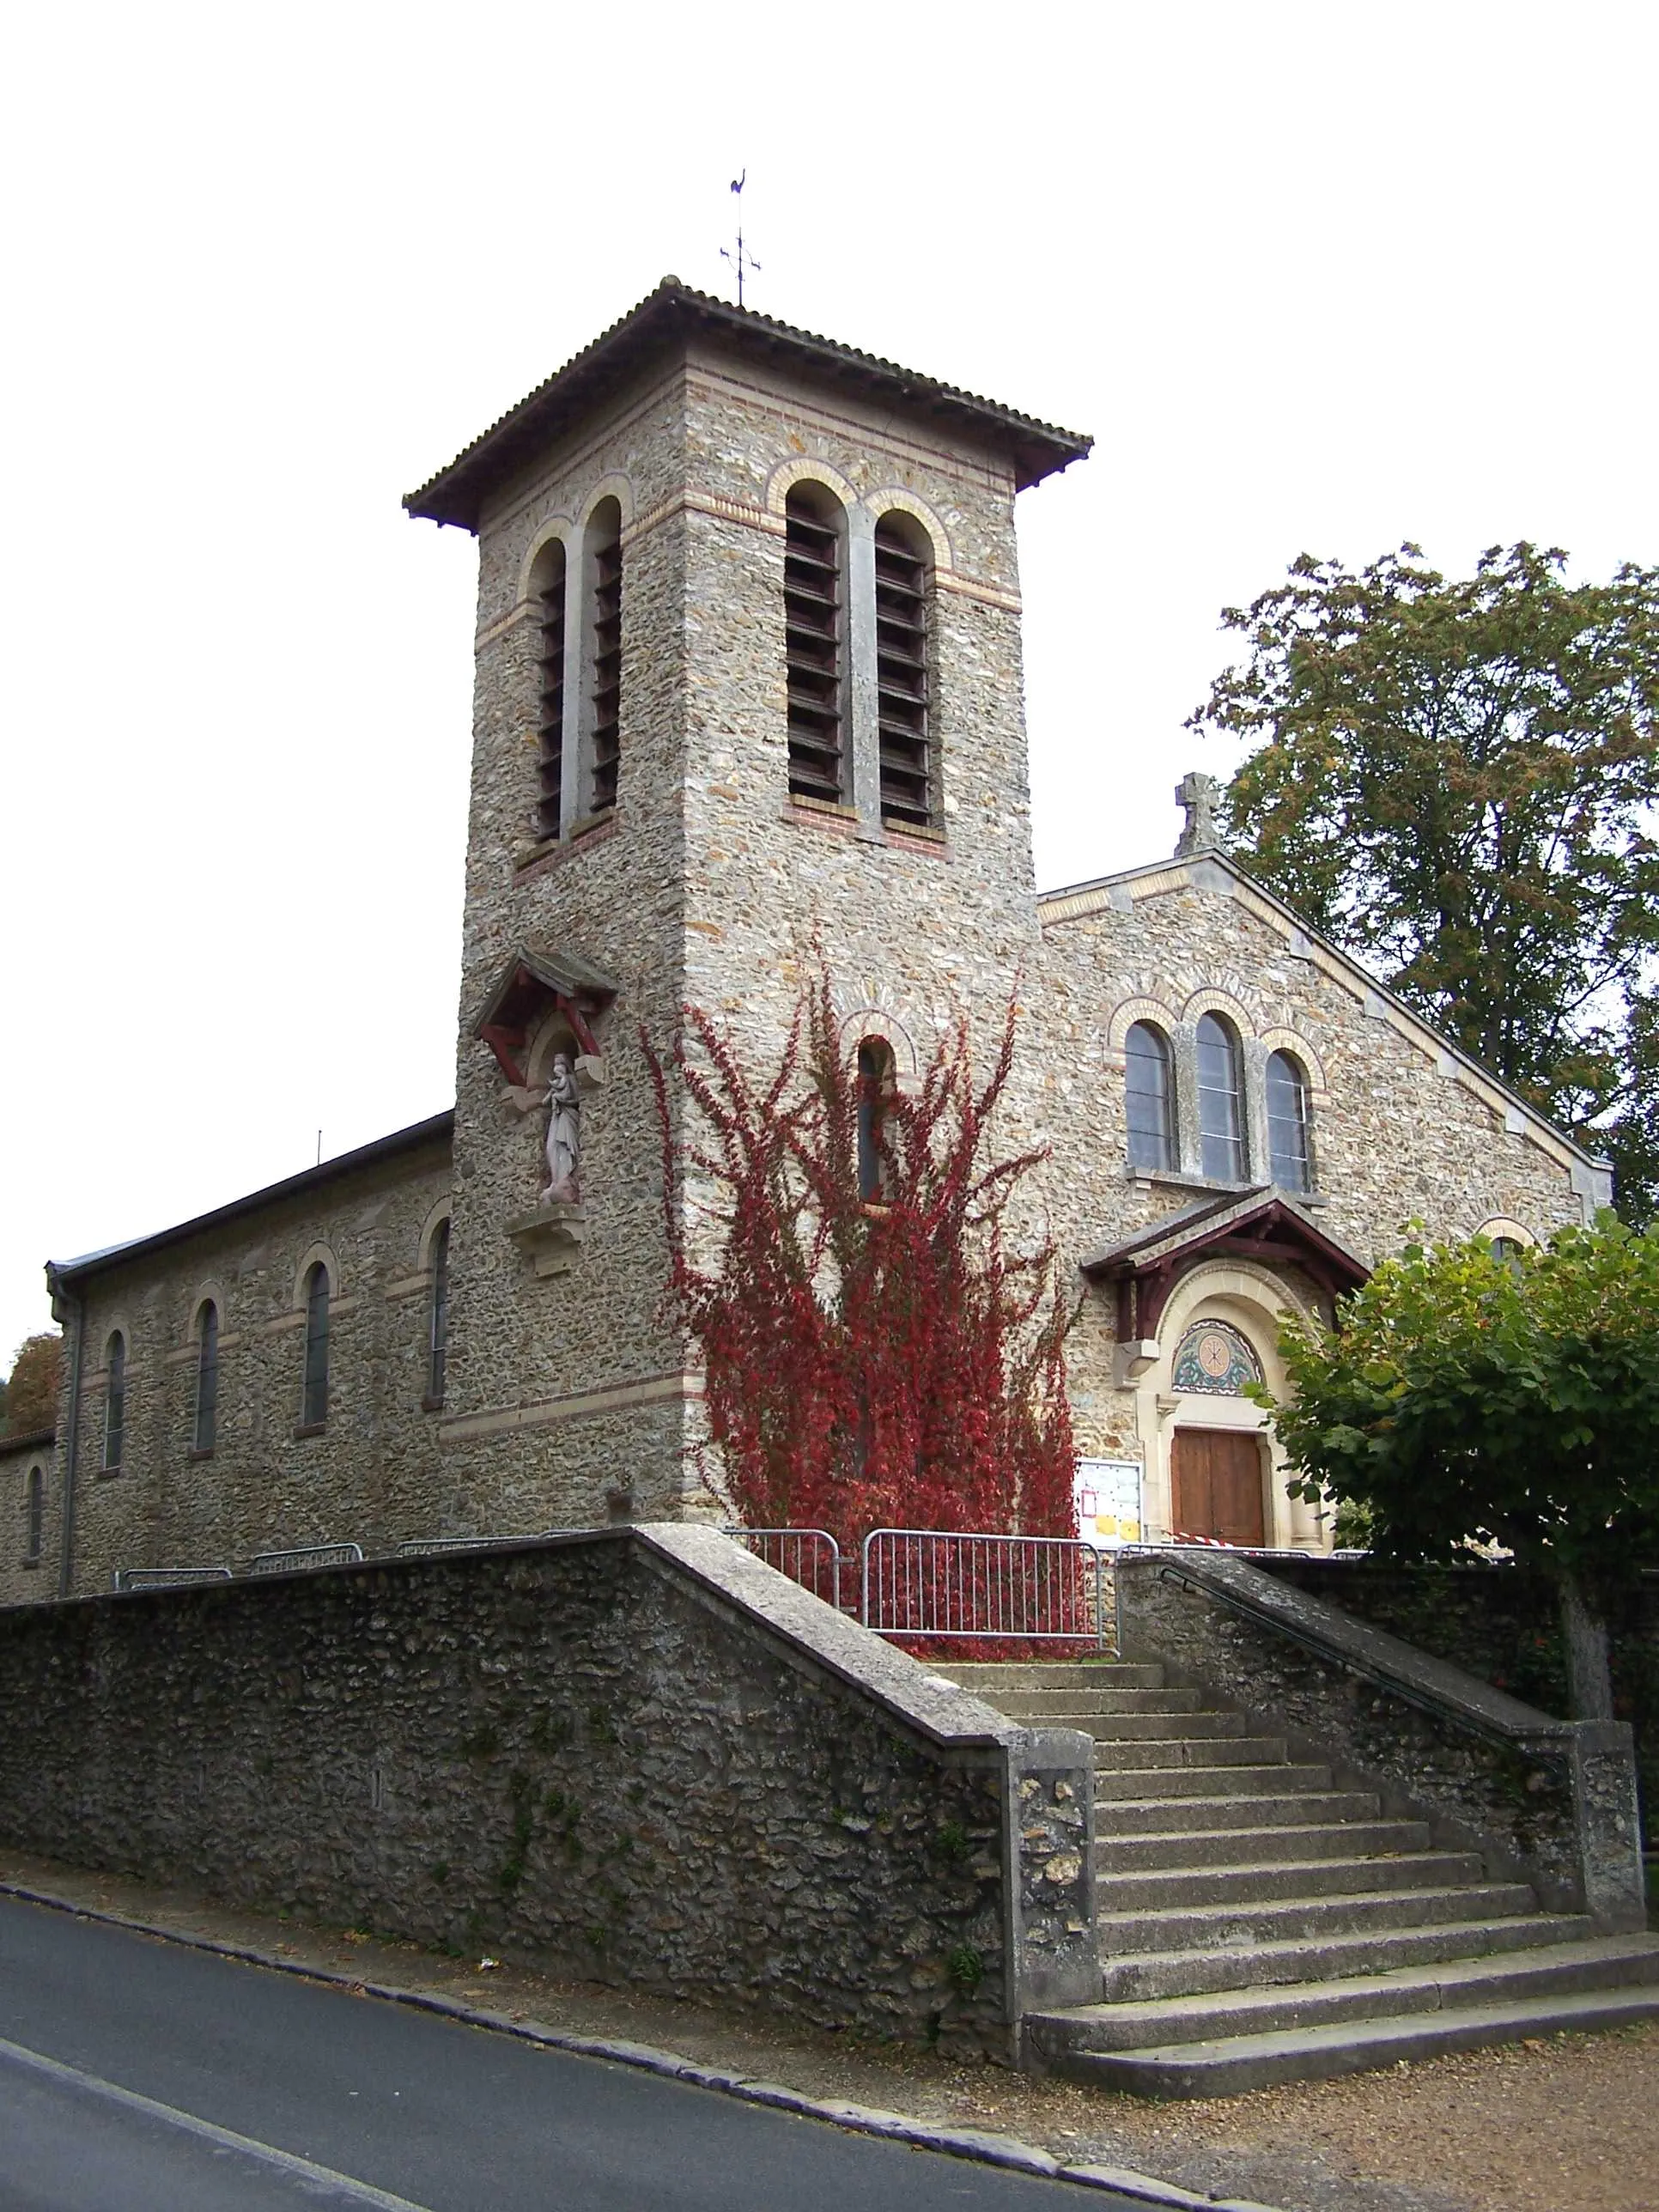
(307, 1555)
(938, 1583)
(962, 1584)
(810, 1557)
(138, 1578)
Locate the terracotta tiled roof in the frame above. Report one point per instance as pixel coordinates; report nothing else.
(674, 312)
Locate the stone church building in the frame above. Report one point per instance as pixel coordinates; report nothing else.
(749, 684)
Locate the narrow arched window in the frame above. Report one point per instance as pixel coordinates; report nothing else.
(438, 1319)
(207, 1377)
(34, 1527)
(1220, 1101)
(547, 586)
(115, 1401)
(908, 795)
(1149, 1097)
(815, 620)
(875, 1094)
(1289, 1146)
(314, 1408)
(605, 564)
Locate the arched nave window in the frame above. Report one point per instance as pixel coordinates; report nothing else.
(1220, 1101)
(1289, 1144)
(1150, 1096)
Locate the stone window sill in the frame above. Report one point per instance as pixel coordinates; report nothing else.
(431, 1405)
(553, 852)
(309, 1429)
(107, 1473)
(1174, 1179)
(30, 1566)
(199, 1451)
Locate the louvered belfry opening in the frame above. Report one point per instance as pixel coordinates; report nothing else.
(550, 671)
(907, 786)
(814, 625)
(605, 530)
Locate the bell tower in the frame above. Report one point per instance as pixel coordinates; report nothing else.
(748, 684)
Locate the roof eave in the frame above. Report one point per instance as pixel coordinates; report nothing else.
(456, 495)
(438, 1127)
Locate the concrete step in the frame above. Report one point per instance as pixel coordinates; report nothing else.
(1168, 1888)
(1195, 1927)
(1143, 1754)
(1072, 1707)
(1135, 1978)
(1550, 1970)
(993, 1678)
(1229, 2066)
(1131, 1784)
(1258, 1846)
(1159, 1727)
(1193, 1816)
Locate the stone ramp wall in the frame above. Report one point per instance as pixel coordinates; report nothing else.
(638, 1756)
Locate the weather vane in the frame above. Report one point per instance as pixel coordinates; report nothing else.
(741, 260)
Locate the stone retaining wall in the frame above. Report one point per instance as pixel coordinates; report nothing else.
(637, 1756)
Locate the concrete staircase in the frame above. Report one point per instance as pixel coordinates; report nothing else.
(1259, 1923)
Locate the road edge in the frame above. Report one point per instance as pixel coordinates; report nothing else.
(984, 2148)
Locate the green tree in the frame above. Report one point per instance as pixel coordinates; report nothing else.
(1468, 1400)
(32, 1392)
(1455, 780)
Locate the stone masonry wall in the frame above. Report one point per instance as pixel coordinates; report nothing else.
(1549, 1802)
(706, 885)
(1400, 1130)
(1504, 1626)
(21, 1577)
(600, 1754)
(373, 1474)
(558, 1382)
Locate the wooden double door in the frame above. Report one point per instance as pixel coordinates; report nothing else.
(1216, 1485)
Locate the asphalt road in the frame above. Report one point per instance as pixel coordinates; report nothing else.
(139, 2076)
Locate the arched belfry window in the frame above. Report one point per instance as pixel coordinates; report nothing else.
(313, 1403)
(1149, 1097)
(1220, 1101)
(815, 633)
(903, 571)
(604, 556)
(35, 1521)
(1289, 1144)
(438, 1320)
(207, 1378)
(875, 1094)
(115, 1401)
(548, 591)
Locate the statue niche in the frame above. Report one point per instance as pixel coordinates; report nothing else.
(537, 1020)
(563, 1146)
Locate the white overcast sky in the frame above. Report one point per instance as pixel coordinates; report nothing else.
(1326, 277)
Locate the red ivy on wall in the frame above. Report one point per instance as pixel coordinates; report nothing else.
(868, 1364)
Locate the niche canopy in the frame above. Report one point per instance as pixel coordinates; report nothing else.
(534, 982)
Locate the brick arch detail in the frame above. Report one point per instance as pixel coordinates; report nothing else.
(558, 529)
(891, 500)
(1128, 1012)
(308, 1260)
(806, 469)
(1283, 1040)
